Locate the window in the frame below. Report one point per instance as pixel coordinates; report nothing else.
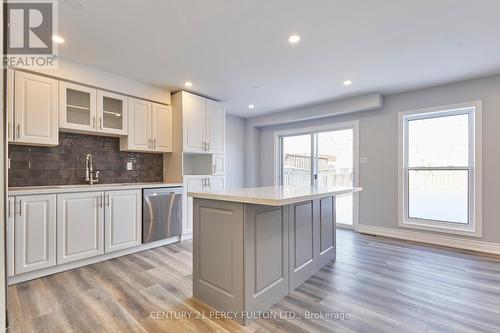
(440, 169)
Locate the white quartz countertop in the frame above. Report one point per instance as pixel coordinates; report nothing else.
(275, 195)
(28, 190)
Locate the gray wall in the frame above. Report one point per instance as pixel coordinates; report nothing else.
(379, 142)
(235, 151)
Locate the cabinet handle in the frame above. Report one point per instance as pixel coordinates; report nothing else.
(93, 122)
(99, 200)
(8, 209)
(149, 143)
(154, 143)
(107, 200)
(18, 130)
(208, 146)
(20, 210)
(100, 122)
(9, 125)
(213, 167)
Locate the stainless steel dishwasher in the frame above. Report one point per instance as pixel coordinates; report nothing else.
(161, 213)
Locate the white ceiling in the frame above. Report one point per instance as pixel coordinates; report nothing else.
(236, 51)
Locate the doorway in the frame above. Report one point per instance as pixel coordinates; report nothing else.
(324, 156)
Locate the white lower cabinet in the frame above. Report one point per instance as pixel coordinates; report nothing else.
(216, 183)
(55, 229)
(10, 236)
(80, 227)
(191, 184)
(34, 232)
(123, 220)
(197, 184)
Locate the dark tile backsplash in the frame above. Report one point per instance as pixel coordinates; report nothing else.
(65, 164)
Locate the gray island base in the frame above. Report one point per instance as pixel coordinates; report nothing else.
(253, 246)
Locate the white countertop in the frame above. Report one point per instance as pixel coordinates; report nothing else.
(275, 196)
(28, 190)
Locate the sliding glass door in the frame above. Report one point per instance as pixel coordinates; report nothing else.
(335, 161)
(321, 158)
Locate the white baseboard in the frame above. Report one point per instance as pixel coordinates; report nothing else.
(84, 262)
(455, 242)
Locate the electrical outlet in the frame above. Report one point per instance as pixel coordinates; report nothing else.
(129, 166)
(363, 160)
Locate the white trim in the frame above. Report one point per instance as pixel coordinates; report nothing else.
(324, 128)
(84, 262)
(345, 226)
(435, 239)
(474, 228)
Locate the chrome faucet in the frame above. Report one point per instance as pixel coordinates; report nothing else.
(89, 171)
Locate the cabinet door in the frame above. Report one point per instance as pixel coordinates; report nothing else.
(190, 185)
(139, 120)
(215, 126)
(79, 226)
(112, 113)
(10, 236)
(36, 110)
(193, 114)
(162, 128)
(123, 220)
(218, 165)
(35, 233)
(216, 184)
(10, 105)
(77, 107)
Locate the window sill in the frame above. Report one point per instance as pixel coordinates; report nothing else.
(446, 229)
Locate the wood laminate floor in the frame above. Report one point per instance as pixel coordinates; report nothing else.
(377, 284)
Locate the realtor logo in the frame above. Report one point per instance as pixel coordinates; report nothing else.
(29, 27)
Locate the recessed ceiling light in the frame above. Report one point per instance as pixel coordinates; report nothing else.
(347, 82)
(57, 39)
(188, 84)
(251, 106)
(294, 39)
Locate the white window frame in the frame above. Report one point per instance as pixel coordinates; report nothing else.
(354, 125)
(474, 225)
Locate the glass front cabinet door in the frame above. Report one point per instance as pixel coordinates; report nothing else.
(77, 109)
(112, 111)
(88, 110)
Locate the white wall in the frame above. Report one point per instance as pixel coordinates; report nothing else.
(235, 151)
(70, 71)
(379, 143)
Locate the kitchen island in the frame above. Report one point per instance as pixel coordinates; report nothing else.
(253, 246)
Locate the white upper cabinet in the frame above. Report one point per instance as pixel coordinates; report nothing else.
(35, 232)
(77, 107)
(161, 127)
(193, 112)
(218, 165)
(214, 127)
(203, 124)
(123, 219)
(35, 110)
(139, 123)
(112, 113)
(9, 103)
(84, 109)
(149, 127)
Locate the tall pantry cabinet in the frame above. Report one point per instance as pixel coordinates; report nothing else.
(197, 158)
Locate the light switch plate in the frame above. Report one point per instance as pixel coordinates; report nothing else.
(363, 160)
(129, 166)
